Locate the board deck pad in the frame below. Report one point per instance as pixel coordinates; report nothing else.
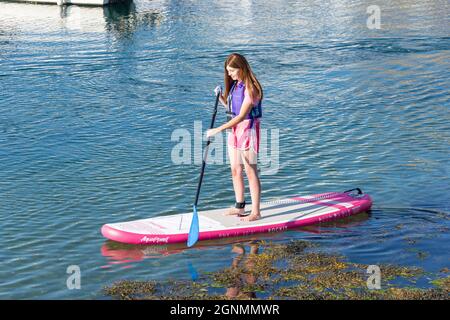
(277, 215)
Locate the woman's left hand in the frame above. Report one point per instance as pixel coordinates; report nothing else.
(212, 132)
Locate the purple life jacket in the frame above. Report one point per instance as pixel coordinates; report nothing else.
(235, 100)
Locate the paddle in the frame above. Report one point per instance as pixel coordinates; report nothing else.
(194, 230)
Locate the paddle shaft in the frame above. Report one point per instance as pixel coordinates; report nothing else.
(205, 156)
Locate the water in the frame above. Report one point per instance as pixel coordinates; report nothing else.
(91, 96)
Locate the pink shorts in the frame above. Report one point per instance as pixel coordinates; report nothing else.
(242, 137)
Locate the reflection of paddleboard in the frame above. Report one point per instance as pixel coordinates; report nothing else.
(276, 216)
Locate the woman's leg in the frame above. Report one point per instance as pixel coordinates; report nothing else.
(251, 169)
(238, 179)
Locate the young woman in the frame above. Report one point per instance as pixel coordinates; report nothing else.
(243, 95)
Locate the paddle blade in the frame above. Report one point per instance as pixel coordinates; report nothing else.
(193, 231)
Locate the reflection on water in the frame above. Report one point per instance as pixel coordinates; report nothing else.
(121, 19)
(124, 19)
(247, 278)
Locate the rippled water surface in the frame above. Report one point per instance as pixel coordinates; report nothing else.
(90, 98)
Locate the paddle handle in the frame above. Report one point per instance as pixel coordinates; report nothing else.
(205, 155)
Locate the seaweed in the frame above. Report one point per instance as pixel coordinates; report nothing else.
(293, 270)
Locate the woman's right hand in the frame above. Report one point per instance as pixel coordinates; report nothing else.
(218, 90)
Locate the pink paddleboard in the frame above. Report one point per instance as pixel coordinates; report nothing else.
(277, 215)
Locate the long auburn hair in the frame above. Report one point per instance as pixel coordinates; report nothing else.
(252, 85)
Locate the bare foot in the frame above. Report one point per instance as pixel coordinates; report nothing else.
(252, 217)
(235, 212)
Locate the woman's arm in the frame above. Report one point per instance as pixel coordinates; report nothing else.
(223, 101)
(245, 109)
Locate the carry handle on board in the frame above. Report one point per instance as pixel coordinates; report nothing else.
(194, 229)
(356, 189)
